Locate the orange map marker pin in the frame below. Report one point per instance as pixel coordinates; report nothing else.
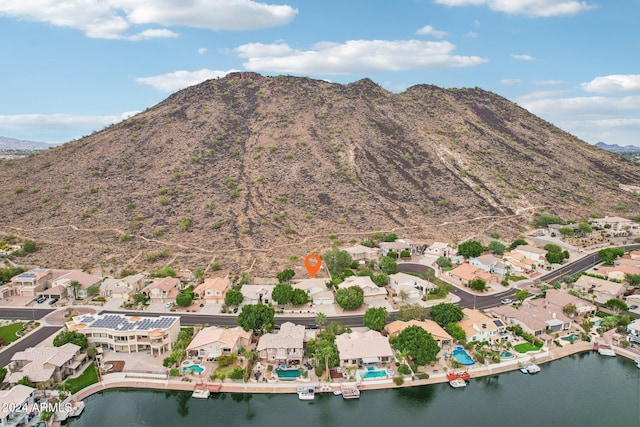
(313, 268)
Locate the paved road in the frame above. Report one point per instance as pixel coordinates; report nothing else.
(22, 313)
(31, 340)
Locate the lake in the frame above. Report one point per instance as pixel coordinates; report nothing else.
(580, 390)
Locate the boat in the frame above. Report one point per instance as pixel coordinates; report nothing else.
(76, 409)
(350, 392)
(337, 393)
(453, 375)
(524, 370)
(201, 392)
(533, 369)
(306, 392)
(458, 383)
(637, 362)
(606, 352)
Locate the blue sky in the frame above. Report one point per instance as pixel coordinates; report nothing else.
(70, 67)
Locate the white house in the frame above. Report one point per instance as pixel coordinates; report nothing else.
(12, 404)
(362, 349)
(488, 263)
(414, 286)
(532, 252)
(122, 288)
(369, 289)
(255, 294)
(633, 332)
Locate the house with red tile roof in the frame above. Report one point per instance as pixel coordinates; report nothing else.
(212, 289)
(162, 290)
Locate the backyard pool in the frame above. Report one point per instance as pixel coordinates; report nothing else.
(462, 357)
(192, 369)
(570, 338)
(506, 355)
(287, 374)
(371, 374)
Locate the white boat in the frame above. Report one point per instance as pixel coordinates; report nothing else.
(524, 370)
(350, 393)
(306, 392)
(201, 394)
(533, 369)
(77, 409)
(637, 362)
(458, 383)
(337, 393)
(606, 352)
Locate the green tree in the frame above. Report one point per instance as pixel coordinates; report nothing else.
(380, 279)
(376, 318)
(522, 294)
(164, 272)
(3, 373)
(70, 337)
(257, 317)
(418, 344)
(26, 381)
(616, 305)
(7, 273)
(388, 265)
(555, 254)
(445, 313)
(321, 319)
(456, 331)
(412, 312)
(443, 262)
(184, 299)
(497, 247)
(405, 254)
(299, 297)
(584, 228)
(608, 255)
(478, 285)
(569, 310)
(350, 298)
(518, 242)
(285, 275)
(336, 261)
(198, 273)
(74, 286)
(632, 279)
(139, 298)
(282, 293)
(567, 231)
(391, 237)
(233, 298)
(470, 249)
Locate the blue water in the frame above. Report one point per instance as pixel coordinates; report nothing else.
(570, 338)
(506, 355)
(462, 357)
(288, 373)
(375, 374)
(194, 369)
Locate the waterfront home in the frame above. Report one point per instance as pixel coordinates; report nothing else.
(479, 327)
(466, 273)
(316, 289)
(440, 335)
(363, 253)
(284, 345)
(122, 288)
(363, 349)
(29, 283)
(212, 289)
(256, 294)
(535, 320)
(128, 334)
(633, 332)
(215, 341)
(398, 246)
(162, 290)
(414, 286)
(13, 403)
(42, 364)
(619, 272)
(603, 290)
(369, 289)
(557, 300)
(88, 284)
(535, 254)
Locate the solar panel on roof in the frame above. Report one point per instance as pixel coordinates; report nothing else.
(498, 323)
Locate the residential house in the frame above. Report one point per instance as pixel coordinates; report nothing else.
(128, 334)
(212, 289)
(161, 290)
(535, 254)
(87, 284)
(618, 273)
(634, 254)
(363, 253)
(439, 249)
(535, 320)
(633, 300)
(517, 263)
(369, 289)
(489, 263)
(633, 332)
(316, 289)
(29, 283)
(13, 401)
(479, 327)
(398, 246)
(626, 261)
(413, 286)
(603, 290)
(465, 273)
(42, 364)
(363, 349)
(615, 223)
(215, 341)
(440, 335)
(558, 300)
(122, 288)
(255, 294)
(284, 345)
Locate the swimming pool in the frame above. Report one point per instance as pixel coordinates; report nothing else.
(287, 374)
(192, 369)
(462, 357)
(506, 355)
(371, 374)
(570, 338)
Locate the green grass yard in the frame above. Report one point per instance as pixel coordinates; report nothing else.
(8, 333)
(525, 347)
(88, 377)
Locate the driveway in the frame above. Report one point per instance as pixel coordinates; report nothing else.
(114, 303)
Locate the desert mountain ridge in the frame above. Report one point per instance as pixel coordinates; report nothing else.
(255, 172)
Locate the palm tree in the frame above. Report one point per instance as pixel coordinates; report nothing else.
(321, 319)
(404, 295)
(74, 285)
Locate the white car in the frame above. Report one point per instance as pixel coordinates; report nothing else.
(506, 301)
(169, 304)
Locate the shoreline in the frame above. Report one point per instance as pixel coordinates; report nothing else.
(120, 380)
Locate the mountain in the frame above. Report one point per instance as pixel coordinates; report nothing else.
(20, 144)
(256, 172)
(617, 148)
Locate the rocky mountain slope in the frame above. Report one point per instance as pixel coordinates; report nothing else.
(250, 170)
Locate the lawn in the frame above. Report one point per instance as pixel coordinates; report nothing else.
(525, 347)
(8, 333)
(224, 370)
(88, 377)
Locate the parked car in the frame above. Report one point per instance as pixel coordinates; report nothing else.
(506, 301)
(40, 299)
(169, 304)
(53, 300)
(633, 307)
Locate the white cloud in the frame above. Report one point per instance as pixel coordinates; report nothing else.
(534, 8)
(612, 131)
(510, 82)
(153, 34)
(428, 30)
(177, 80)
(56, 127)
(615, 83)
(586, 106)
(111, 19)
(547, 82)
(354, 57)
(522, 57)
(202, 51)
